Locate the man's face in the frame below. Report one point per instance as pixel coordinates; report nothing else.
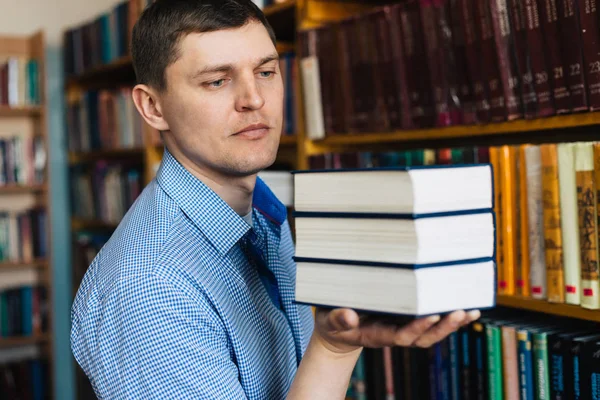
(224, 101)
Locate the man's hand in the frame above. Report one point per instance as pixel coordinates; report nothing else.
(342, 331)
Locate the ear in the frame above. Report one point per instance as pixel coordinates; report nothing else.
(148, 104)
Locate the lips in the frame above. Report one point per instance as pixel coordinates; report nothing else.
(254, 131)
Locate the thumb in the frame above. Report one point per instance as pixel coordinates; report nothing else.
(342, 319)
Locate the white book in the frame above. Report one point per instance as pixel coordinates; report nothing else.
(281, 184)
(313, 106)
(404, 190)
(395, 238)
(535, 214)
(396, 290)
(569, 220)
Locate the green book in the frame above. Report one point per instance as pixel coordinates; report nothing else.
(494, 350)
(540, 362)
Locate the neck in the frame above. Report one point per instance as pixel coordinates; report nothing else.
(237, 191)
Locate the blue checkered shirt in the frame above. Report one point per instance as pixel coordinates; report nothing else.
(172, 309)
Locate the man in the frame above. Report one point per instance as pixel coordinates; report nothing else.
(192, 297)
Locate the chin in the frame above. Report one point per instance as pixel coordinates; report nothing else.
(251, 167)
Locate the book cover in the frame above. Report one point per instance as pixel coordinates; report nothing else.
(552, 225)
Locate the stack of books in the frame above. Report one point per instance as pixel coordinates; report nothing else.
(409, 241)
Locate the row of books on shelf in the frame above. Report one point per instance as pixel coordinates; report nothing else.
(22, 160)
(19, 82)
(104, 119)
(24, 373)
(102, 40)
(23, 235)
(421, 64)
(503, 355)
(546, 212)
(105, 190)
(23, 311)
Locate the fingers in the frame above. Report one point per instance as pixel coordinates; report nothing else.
(445, 327)
(342, 319)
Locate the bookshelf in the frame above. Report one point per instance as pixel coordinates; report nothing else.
(288, 20)
(24, 183)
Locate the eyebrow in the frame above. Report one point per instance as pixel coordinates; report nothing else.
(229, 67)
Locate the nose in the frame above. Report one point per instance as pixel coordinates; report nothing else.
(249, 97)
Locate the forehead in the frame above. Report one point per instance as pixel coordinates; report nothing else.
(246, 43)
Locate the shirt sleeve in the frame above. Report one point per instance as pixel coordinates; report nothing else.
(147, 339)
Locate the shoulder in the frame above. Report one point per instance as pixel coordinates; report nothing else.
(147, 236)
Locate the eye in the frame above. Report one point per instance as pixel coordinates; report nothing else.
(267, 74)
(217, 84)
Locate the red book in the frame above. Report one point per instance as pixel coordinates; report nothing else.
(489, 61)
(590, 39)
(465, 88)
(539, 65)
(474, 63)
(523, 54)
(417, 72)
(572, 50)
(509, 76)
(552, 49)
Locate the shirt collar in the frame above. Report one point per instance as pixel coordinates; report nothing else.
(211, 214)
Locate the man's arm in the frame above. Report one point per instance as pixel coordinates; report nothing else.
(339, 337)
(147, 339)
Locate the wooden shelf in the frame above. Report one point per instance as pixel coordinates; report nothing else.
(455, 132)
(282, 18)
(78, 224)
(23, 340)
(563, 310)
(39, 264)
(19, 189)
(81, 157)
(288, 140)
(285, 47)
(119, 70)
(277, 8)
(29, 111)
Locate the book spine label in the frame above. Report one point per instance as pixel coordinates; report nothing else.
(478, 82)
(505, 51)
(540, 362)
(569, 222)
(417, 72)
(556, 361)
(539, 65)
(552, 37)
(535, 211)
(590, 40)
(526, 79)
(552, 225)
(573, 53)
(464, 80)
(489, 61)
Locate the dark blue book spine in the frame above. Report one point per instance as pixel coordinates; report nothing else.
(465, 364)
(526, 387)
(453, 343)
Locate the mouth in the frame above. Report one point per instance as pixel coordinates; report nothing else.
(254, 131)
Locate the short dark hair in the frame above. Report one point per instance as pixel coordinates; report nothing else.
(158, 31)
